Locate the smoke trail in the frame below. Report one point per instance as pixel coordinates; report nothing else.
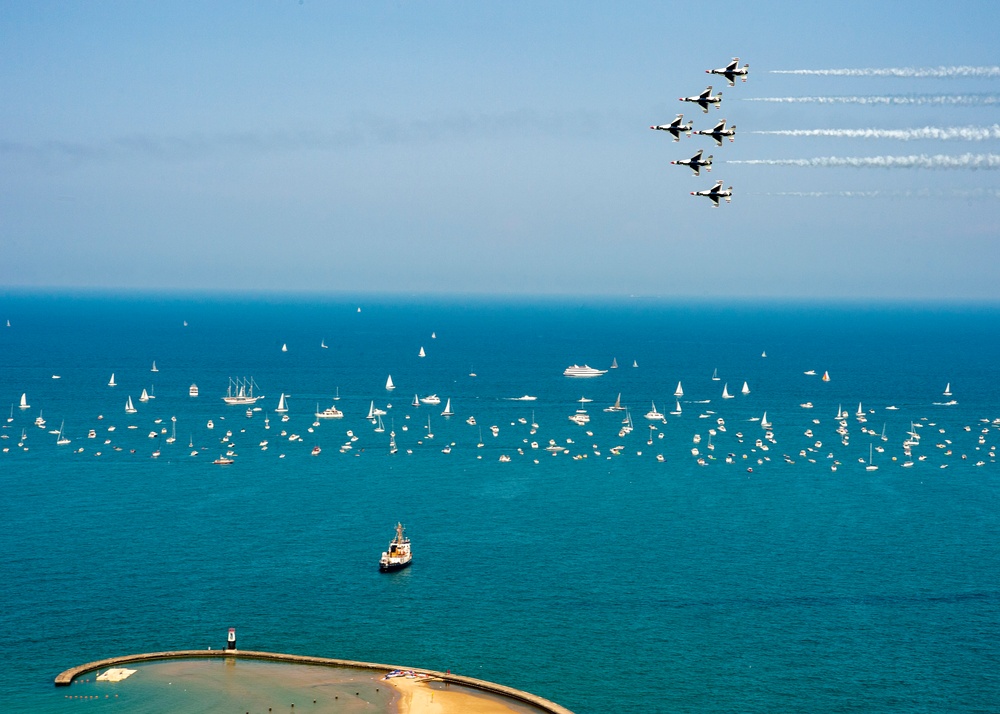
(964, 133)
(979, 193)
(946, 100)
(907, 72)
(921, 161)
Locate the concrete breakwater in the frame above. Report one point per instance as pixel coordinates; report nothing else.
(66, 677)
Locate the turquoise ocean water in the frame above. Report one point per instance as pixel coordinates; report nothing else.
(605, 584)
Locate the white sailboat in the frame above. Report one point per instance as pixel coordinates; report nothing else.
(371, 412)
(282, 407)
(284, 347)
(715, 375)
(447, 409)
(11, 417)
(677, 409)
(654, 415)
(62, 439)
(389, 384)
(336, 396)
(947, 390)
(617, 406)
(381, 427)
(679, 392)
(392, 442)
(415, 402)
(154, 369)
(746, 388)
(144, 397)
(614, 363)
(635, 363)
(24, 401)
(173, 436)
(111, 382)
(764, 423)
(870, 466)
(430, 434)
(129, 409)
(421, 353)
(322, 345)
(725, 391)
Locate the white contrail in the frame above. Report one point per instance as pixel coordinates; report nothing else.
(978, 193)
(948, 100)
(919, 161)
(907, 72)
(964, 133)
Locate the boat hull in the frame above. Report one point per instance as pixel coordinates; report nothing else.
(392, 566)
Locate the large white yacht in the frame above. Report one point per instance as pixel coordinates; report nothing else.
(575, 370)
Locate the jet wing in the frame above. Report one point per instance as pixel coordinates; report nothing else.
(715, 199)
(706, 93)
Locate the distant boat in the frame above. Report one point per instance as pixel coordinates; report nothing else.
(144, 397)
(415, 402)
(381, 427)
(860, 412)
(282, 407)
(447, 409)
(870, 466)
(111, 382)
(635, 363)
(677, 409)
(62, 439)
(763, 354)
(524, 398)
(331, 413)
(11, 417)
(398, 556)
(617, 406)
(433, 335)
(322, 344)
(725, 391)
(223, 461)
(389, 384)
(371, 412)
(679, 392)
(129, 409)
(154, 369)
(614, 363)
(947, 390)
(654, 415)
(764, 423)
(746, 388)
(24, 401)
(243, 393)
(193, 390)
(584, 371)
(336, 396)
(421, 353)
(715, 375)
(811, 372)
(431, 399)
(825, 377)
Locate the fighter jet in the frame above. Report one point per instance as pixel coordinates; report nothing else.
(731, 71)
(719, 131)
(675, 127)
(715, 193)
(695, 162)
(704, 99)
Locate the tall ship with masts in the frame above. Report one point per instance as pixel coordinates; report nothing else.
(240, 391)
(398, 556)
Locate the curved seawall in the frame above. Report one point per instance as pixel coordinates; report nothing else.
(65, 678)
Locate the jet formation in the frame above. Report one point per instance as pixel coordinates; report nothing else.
(706, 99)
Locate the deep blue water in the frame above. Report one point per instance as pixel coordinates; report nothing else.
(605, 584)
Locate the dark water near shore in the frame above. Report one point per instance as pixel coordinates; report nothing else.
(603, 584)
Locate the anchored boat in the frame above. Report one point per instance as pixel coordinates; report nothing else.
(398, 556)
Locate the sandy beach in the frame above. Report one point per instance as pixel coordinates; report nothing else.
(417, 696)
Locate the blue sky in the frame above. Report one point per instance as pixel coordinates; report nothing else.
(484, 147)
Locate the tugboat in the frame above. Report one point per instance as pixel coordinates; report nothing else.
(398, 556)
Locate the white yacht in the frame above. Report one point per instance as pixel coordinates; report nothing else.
(432, 399)
(584, 371)
(580, 417)
(331, 413)
(654, 415)
(193, 390)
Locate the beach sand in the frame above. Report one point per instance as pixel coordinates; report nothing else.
(422, 696)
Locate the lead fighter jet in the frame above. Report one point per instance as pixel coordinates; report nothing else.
(704, 99)
(719, 131)
(695, 162)
(731, 71)
(675, 127)
(715, 193)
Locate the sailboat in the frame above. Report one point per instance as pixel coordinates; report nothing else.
(371, 412)
(284, 347)
(129, 409)
(111, 382)
(381, 427)
(24, 401)
(764, 423)
(173, 436)
(947, 390)
(825, 377)
(870, 466)
(154, 369)
(392, 442)
(715, 375)
(415, 402)
(389, 384)
(322, 345)
(421, 353)
(635, 363)
(336, 396)
(430, 434)
(763, 354)
(654, 415)
(677, 409)
(282, 407)
(11, 417)
(447, 409)
(614, 363)
(144, 397)
(746, 388)
(617, 406)
(679, 392)
(62, 439)
(480, 444)
(860, 412)
(725, 391)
